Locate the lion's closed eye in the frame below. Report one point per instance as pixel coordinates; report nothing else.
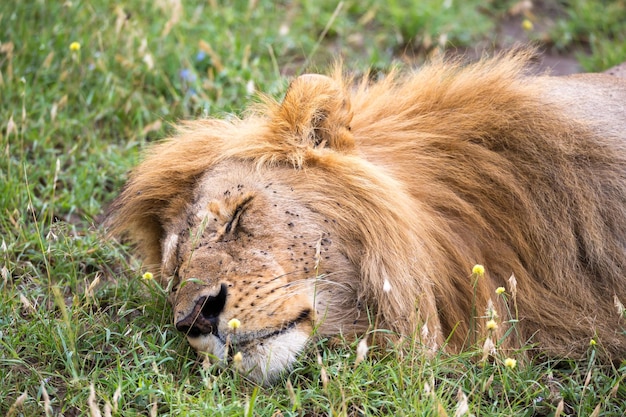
(239, 210)
(224, 215)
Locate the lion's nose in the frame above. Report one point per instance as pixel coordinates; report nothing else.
(204, 317)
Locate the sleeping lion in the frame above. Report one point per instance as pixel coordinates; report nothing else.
(359, 203)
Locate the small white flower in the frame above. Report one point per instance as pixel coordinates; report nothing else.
(361, 351)
(5, 274)
(323, 373)
(513, 285)
(92, 402)
(462, 406)
(618, 305)
(491, 310)
(386, 286)
(489, 349)
(250, 89)
(426, 388)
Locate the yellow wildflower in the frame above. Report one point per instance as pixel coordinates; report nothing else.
(147, 276)
(510, 363)
(492, 325)
(527, 25)
(238, 361)
(478, 270)
(500, 290)
(234, 324)
(592, 342)
(74, 46)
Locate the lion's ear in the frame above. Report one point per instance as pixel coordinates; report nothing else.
(316, 112)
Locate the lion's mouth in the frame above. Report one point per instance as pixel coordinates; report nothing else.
(264, 356)
(265, 353)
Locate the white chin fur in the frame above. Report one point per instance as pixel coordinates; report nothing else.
(263, 361)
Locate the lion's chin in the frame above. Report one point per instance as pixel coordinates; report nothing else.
(261, 360)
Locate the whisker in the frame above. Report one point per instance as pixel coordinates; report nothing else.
(292, 288)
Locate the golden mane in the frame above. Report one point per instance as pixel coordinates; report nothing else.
(433, 171)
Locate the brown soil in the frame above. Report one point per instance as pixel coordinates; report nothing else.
(529, 23)
(511, 32)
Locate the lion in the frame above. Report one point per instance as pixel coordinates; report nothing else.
(355, 203)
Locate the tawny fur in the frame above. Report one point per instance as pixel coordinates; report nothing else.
(428, 173)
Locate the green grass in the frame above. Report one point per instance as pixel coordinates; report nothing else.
(599, 25)
(74, 312)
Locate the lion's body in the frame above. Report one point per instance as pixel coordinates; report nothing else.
(380, 198)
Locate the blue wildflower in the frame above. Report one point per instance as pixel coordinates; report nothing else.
(187, 75)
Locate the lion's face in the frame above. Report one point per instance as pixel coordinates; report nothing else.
(248, 249)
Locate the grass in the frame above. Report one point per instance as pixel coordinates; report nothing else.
(82, 333)
(599, 25)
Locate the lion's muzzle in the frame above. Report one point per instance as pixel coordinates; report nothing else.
(204, 317)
